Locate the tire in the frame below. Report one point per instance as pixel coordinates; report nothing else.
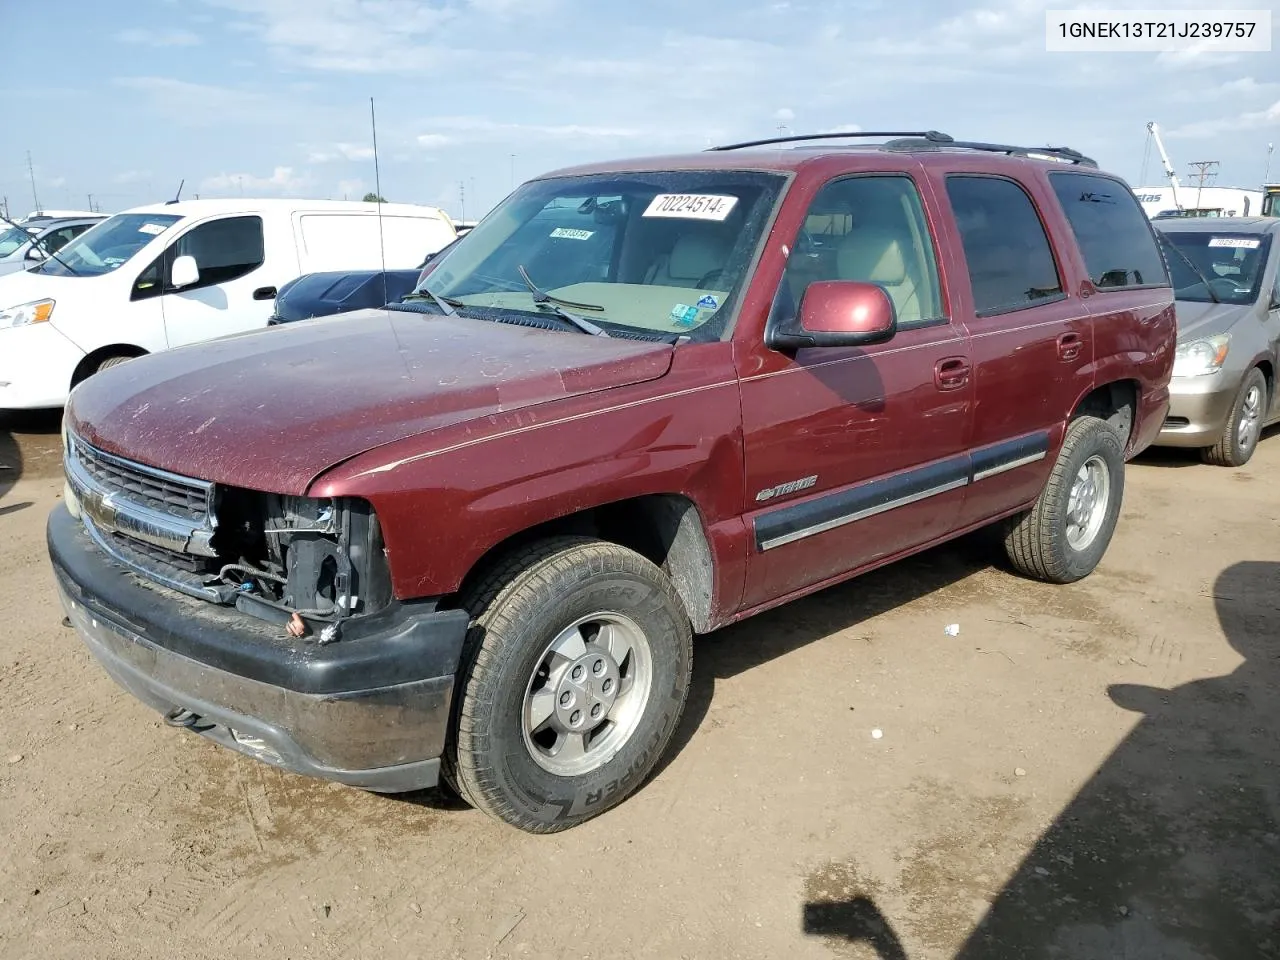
(1047, 543)
(1244, 426)
(512, 736)
(111, 362)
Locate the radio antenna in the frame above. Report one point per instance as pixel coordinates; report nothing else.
(377, 186)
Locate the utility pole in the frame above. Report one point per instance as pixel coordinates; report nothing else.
(91, 210)
(1204, 170)
(32, 171)
(1266, 173)
(462, 199)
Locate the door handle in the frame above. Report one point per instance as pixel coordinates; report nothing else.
(1069, 345)
(264, 293)
(951, 373)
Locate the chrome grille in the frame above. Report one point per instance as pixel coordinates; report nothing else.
(160, 490)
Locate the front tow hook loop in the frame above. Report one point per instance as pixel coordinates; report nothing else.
(181, 717)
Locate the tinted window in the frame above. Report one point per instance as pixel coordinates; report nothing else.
(871, 229)
(223, 249)
(1113, 233)
(1010, 262)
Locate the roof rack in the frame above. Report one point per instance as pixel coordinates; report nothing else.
(910, 142)
(930, 136)
(910, 145)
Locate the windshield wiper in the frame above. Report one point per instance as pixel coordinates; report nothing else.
(1194, 269)
(39, 242)
(543, 299)
(446, 304)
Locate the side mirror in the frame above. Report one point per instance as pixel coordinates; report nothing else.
(837, 313)
(184, 273)
(35, 253)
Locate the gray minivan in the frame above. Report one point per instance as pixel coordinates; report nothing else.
(24, 245)
(1225, 278)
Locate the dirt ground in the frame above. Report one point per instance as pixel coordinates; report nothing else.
(1087, 772)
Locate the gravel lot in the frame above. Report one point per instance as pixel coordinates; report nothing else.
(1083, 772)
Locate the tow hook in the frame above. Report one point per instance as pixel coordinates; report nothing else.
(184, 718)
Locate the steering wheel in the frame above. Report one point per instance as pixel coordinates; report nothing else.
(708, 277)
(1224, 285)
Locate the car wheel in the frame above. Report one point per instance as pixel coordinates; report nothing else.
(1240, 435)
(1063, 537)
(111, 362)
(573, 678)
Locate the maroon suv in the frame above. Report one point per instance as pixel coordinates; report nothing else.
(469, 536)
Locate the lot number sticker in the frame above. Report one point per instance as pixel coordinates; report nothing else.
(155, 229)
(691, 206)
(1235, 242)
(568, 233)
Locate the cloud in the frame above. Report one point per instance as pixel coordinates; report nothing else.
(132, 176)
(283, 181)
(433, 140)
(158, 38)
(1251, 120)
(354, 152)
(204, 105)
(784, 114)
(352, 36)
(842, 128)
(482, 129)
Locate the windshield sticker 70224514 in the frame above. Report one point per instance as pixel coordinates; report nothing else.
(691, 206)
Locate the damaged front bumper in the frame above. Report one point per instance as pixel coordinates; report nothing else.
(371, 710)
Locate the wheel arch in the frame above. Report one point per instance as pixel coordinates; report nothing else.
(89, 362)
(667, 529)
(1116, 402)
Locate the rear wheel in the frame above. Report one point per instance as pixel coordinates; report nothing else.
(1240, 435)
(574, 677)
(1063, 537)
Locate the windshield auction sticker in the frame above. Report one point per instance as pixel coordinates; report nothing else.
(691, 206)
(1158, 31)
(1243, 242)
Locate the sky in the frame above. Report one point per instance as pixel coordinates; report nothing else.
(272, 97)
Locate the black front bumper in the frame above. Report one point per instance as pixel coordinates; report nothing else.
(371, 710)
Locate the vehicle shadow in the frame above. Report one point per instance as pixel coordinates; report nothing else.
(1172, 850)
(10, 456)
(1183, 457)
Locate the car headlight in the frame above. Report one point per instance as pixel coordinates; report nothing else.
(38, 311)
(1199, 358)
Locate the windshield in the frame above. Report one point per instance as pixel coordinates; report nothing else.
(11, 239)
(1232, 263)
(662, 252)
(104, 247)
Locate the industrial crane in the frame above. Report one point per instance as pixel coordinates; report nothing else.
(1164, 158)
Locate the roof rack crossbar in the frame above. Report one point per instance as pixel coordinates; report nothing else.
(932, 136)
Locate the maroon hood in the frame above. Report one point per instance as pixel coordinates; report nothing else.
(275, 408)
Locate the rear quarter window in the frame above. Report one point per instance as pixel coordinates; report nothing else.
(1114, 235)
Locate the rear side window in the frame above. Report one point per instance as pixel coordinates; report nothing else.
(1113, 233)
(1011, 265)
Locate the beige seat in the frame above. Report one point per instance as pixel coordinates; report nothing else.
(692, 257)
(875, 255)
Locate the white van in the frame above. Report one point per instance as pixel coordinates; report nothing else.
(170, 274)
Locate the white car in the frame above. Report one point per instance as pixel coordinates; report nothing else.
(171, 274)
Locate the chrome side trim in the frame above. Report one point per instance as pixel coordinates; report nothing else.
(1011, 465)
(861, 515)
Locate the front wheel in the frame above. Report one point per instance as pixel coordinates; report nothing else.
(1063, 537)
(573, 680)
(1244, 425)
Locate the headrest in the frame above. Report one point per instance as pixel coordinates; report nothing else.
(694, 256)
(872, 254)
